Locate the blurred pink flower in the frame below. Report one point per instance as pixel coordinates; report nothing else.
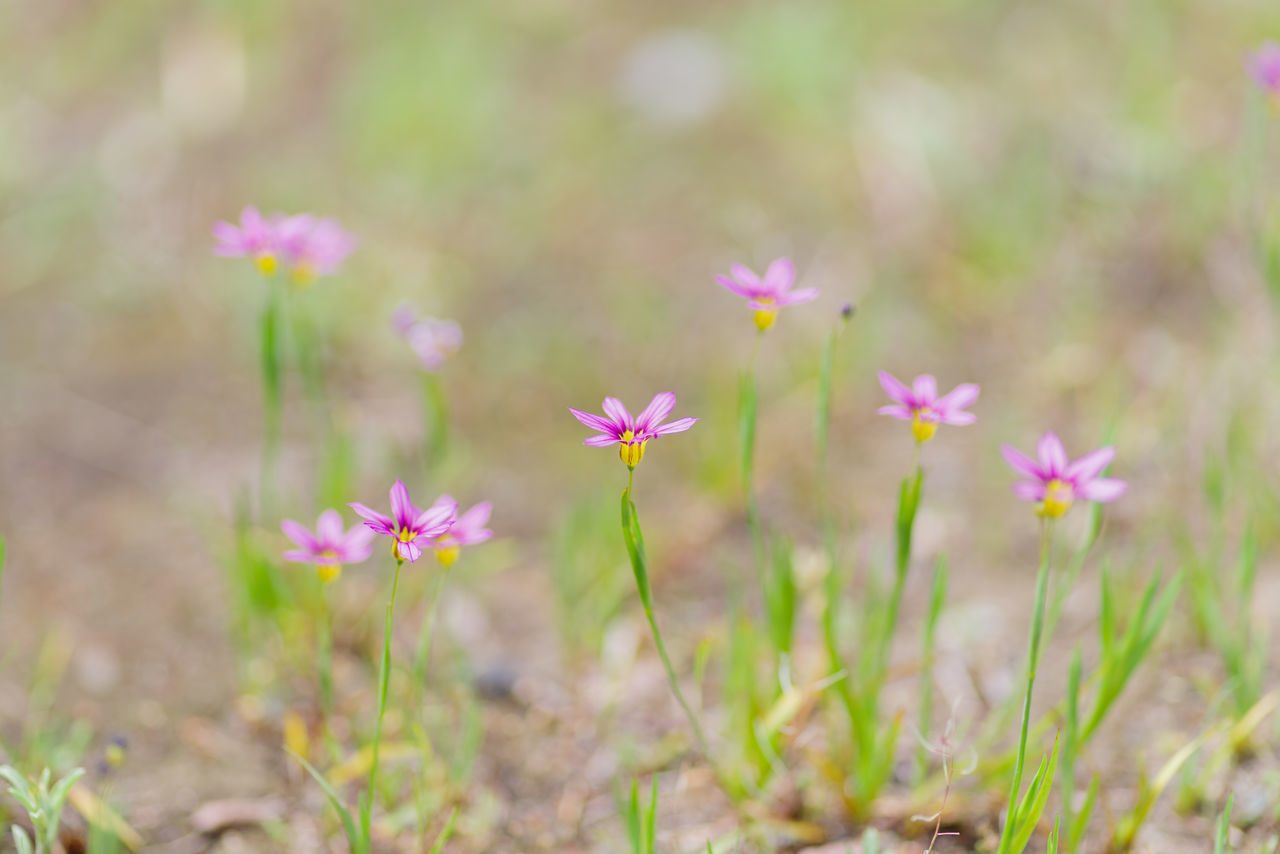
(768, 294)
(1055, 482)
(330, 546)
(921, 405)
(432, 340)
(314, 247)
(468, 530)
(631, 434)
(1265, 65)
(255, 237)
(408, 523)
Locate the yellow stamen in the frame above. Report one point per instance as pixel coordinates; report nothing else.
(764, 317)
(630, 451)
(447, 555)
(328, 572)
(923, 430)
(266, 263)
(1057, 499)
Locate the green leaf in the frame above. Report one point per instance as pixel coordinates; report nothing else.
(348, 823)
(1223, 828)
(445, 833)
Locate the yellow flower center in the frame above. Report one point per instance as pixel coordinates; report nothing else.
(920, 428)
(765, 316)
(447, 555)
(1058, 496)
(328, 572)
(630, 451)
(266, 262)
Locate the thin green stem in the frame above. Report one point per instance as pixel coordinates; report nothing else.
(1033, 662)
(324, 644)
(271, 368)
(427, 635)
(435, 421)
(748, 422)
(384, 673)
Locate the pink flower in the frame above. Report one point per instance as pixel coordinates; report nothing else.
(468, 530)
(1265, 65)
(407, 523)
(631, 434)
(1055, 482)
(432, 340)
(767, 294)
(330, 546)
(254, 238)
(314, 247)
(921, 405)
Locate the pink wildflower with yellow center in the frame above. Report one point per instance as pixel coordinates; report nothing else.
(407, 524)
(255, 237)
(467, 530)
(922, 406)
(331, 546)
(632, 434)
(769, 293)
(1055, 482)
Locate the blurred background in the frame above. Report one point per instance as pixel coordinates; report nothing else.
(1057, 201)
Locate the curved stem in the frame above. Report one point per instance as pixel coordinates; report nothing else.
(384, 672)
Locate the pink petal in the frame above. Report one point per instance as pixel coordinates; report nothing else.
(437, 518)
(299, 534)
(600, 441)
(897, 410)
(329, 527)
(408, 551)
(1021, 463)
(402, 509)
(925, 389)
(745, 276)
(1053, 457)
(1102, 489)
(1090, 465)
(958, 419)
(740, 290)
(615, 410)
(658, 409)
(896, 390)
(1029, 491)
(299, 556)
(475, 518)
(677, 426)
(377, 521)
(780, 275)
(359, 538)
(595, 422)
(797, 297)
(960, 397)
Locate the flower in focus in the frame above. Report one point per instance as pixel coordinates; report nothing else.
(468, 530)
(921, 405)
(1265, 66)
(1054, 482)
(314, 247)
(330, 546)
(255, 237)
(407, 523)
(432, 340)
(769, 293)
(631, 434)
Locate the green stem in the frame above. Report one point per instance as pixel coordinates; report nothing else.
(384, 673)
(435, 421)
(426, 636)
(271, 368)
(324, 643)
(748, 422)
(1033, 662)
(635, 548)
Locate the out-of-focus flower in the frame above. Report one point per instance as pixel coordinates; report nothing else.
(769, 293)
(255, 237)
(468, 530)
(314, 247)
(1265, 65)
(407, 523)
(432, 340)
(631, 434)
(921, 405)
(1054, 482)
(330, 546)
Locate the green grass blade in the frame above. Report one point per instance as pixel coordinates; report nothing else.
(348, 823)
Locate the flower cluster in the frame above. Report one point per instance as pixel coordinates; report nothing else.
(632, 433)
(769, 293)
(432, 340)
(308, 245)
